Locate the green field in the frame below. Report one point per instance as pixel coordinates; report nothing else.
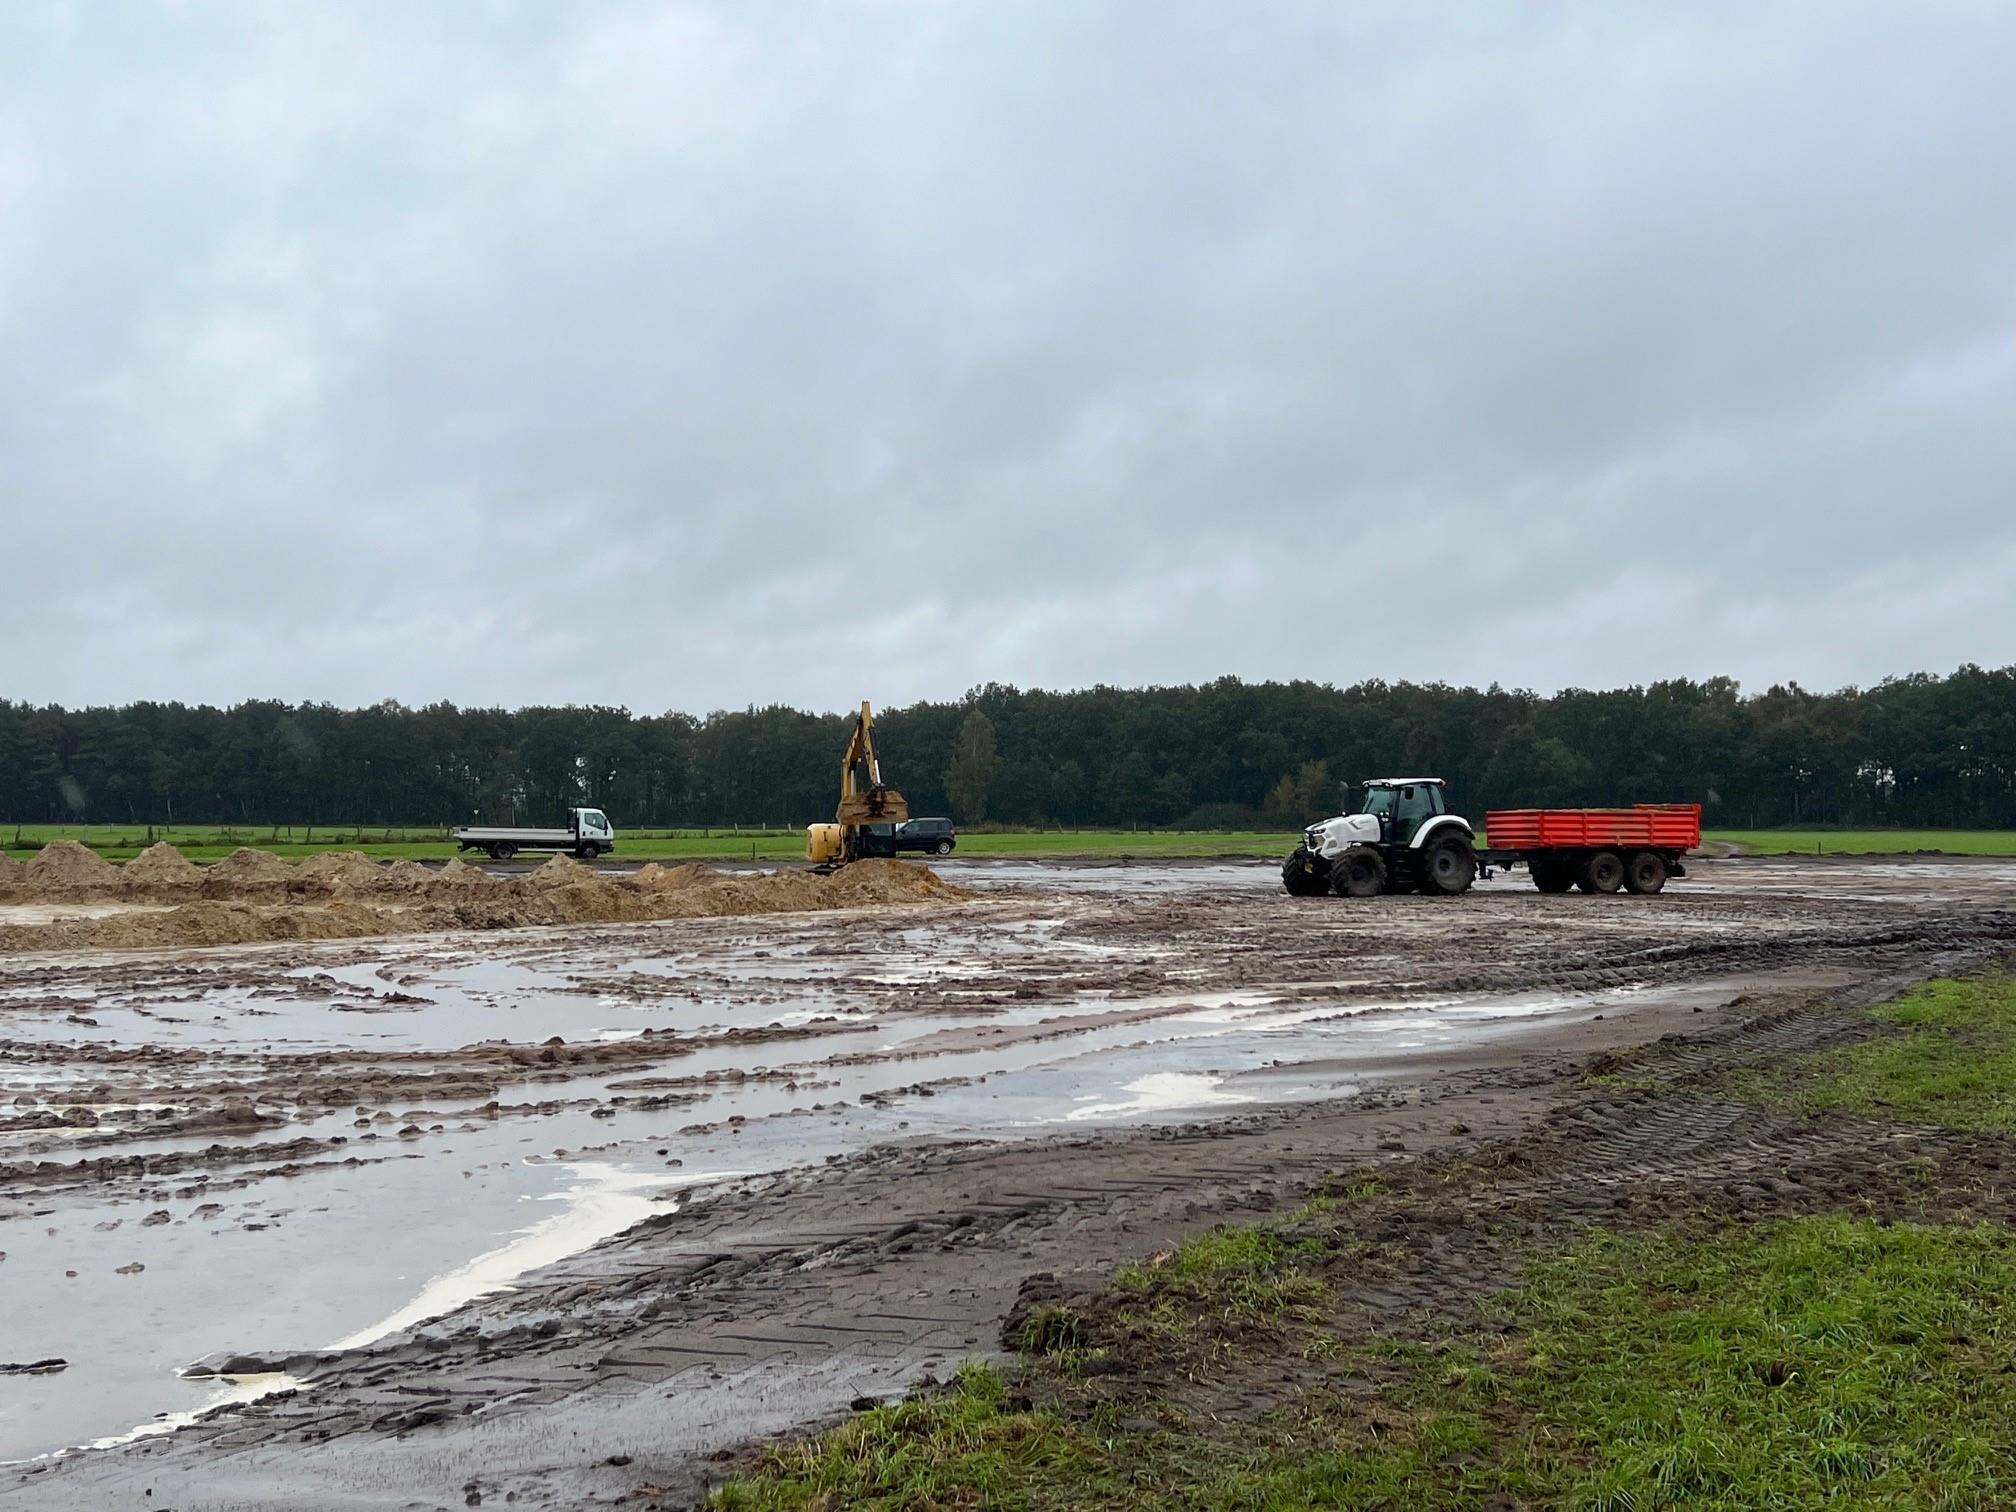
(1875, 842)
(426, 842)
(209, 842)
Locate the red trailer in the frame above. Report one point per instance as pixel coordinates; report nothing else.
(1597, 850)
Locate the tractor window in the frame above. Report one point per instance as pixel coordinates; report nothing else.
(1416, 804)
(1378, 800)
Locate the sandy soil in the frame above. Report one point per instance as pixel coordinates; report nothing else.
(69, 898)
(826, 1151)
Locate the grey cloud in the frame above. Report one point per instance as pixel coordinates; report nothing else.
(703, 355)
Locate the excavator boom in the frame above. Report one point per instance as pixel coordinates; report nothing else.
(864, 800)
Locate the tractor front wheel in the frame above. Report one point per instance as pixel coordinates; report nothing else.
(1302, 874)
(1358, 873)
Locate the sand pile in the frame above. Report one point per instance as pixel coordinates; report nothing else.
(866, 884)
(337, 870)
(10, 872)
(254, 896)
(457, 876)
(248, 873)
(160, 869)
(558, 871)
(63, 867)
(404, 878)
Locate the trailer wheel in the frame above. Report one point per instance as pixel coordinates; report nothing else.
(1448, 868)
(1550, 876)
(1301, 876)
(1603, 872)
(502, 850)
(1645, 872)
(1359, 873)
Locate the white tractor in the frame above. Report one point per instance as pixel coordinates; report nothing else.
(1402, 839)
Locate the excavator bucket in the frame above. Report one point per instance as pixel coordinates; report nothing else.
(875, 805)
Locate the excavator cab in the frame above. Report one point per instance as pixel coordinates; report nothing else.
(869, 810)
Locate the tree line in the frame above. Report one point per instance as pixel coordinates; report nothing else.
(1919, 751)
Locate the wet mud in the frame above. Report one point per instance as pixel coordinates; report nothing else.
(646, 1188)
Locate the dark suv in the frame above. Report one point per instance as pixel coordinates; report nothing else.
(936, 835)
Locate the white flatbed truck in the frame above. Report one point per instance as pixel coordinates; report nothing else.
(588, 834)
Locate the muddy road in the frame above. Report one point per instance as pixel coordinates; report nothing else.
(474, 1214)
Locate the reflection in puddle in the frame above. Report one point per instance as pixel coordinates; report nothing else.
(1161, 1092)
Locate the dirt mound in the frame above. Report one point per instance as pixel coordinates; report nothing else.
(404, 877)
(253, 896)
(458, 876)
(867, 883)
(339, 869)
(160, 868)
(248, 869)
(11, 871)
(656, 878)
(64, 866)
(560, 871)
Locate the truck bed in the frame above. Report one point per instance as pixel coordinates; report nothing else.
(1643, 826)
(515, 836)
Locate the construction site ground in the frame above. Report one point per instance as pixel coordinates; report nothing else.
(470, 1211)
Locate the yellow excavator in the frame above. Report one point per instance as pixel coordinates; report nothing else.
(865, 823)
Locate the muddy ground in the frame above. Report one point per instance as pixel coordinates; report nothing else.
(831, 1148)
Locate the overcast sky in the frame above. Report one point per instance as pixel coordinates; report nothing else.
(694, 356)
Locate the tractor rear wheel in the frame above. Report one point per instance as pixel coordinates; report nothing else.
(1448, 867)
(1359, 873)
(1602, 872)
(1645, 872)
(1550, 876)
(1302, 876)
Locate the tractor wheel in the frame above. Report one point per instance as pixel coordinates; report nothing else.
(1301, 875)
(1645, 872)
(1550, 876)
(1448, 867)
(1602, 873)
(1359, 873)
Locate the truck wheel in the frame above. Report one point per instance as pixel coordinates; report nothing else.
(1645, 872)
(944, 847)
(1550, 876)
(1602, 873)
(501, 850)
(1302, 876)
(1358, 873)
(589, 850)
(1448, 868)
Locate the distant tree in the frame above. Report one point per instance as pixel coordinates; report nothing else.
(970, 775)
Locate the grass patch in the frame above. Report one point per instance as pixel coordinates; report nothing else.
(428, 842)
(1870, 842)
(1806, 1363)
(1811, 1363)
(1951, 1061)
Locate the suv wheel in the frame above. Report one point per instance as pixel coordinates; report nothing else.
(943, 847)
